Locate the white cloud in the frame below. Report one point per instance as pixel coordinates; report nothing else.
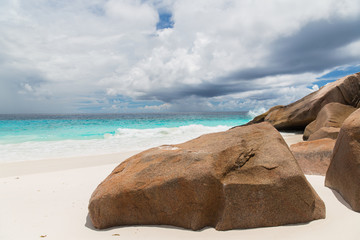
(68, 51)
(132, 14)
(315, 87)
(158, 108)
(213, 38)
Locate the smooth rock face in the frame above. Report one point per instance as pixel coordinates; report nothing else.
(302, 112)
(314, 156)
(325, 132)
(332, 115)
(309, 129)
(343, 174)
(242, 178)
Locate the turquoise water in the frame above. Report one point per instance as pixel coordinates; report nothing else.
(34, 137)
(24, 128)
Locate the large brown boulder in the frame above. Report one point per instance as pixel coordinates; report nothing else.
(242, 178)
(314, 156)
(332, 115)
(302, 112)
(343, 174)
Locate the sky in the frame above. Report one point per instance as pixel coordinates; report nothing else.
(119, 56)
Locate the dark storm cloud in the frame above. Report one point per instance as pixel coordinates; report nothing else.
(314, 48)
(204, 90)
(183, 91)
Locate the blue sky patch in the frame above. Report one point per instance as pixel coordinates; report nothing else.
(336, 74)
(165, 21)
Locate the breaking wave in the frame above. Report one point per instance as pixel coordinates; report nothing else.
(123, 140)
(256, 112)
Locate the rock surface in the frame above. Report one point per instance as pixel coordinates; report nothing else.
(302, 112)
(309, 129)
(343, 174)
(331, 115)
(325, 132)
(242, 178)
(314, 156)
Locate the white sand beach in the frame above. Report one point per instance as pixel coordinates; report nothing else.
(48, 199)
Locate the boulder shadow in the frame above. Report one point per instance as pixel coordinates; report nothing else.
(341, 199)
(89, 225)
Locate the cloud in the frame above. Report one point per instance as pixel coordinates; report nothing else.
(229, 49)
(158, 108)
(317, 46)
(82, 55)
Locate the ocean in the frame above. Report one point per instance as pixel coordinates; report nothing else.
(36, 137)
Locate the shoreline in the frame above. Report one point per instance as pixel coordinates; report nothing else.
(51, 201)
(65, 163)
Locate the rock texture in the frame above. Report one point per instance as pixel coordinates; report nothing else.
(242, 178)
(325, 132)
(343, 174)
(309, 129)
(332, 115)
(302, 112)
(314, 156)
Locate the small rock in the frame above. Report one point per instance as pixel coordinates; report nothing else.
(314, 156)
(331, 116)
(325, 132)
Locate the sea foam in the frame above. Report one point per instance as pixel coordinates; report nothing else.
(123, 140)
(256, 112)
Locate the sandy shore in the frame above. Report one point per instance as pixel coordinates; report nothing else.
(49, 198)
(60, 164)
(291, 139)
